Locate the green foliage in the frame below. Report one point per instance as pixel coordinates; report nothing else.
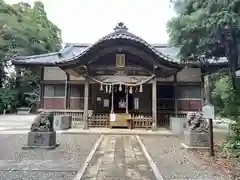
(8, 99)
(24, 30)
(195, 29)
(229, 100)
(32, 97)
(232, 145)
(226, 98)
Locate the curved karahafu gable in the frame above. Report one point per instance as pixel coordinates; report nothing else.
(120, 41)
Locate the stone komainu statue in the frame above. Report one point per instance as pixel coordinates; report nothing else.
(43, 122)
(196, 122)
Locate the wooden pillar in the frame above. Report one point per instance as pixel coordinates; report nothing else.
(18, 76)
(126, 90)
(202, 86)
(94, 87)
(154, 103)
(112, 100)
(86, 94)
(175, 96)
(42, 89)
(67, 92)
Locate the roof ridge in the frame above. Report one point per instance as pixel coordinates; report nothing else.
(88, 44)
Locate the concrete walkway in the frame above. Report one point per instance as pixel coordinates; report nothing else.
(20, 124)
(16, 122)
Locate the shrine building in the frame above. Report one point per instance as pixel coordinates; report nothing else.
(120, 74)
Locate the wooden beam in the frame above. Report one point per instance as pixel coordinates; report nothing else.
(113, 68)
(63, 81)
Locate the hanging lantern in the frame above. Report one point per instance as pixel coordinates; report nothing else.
(110, 88)
(120, 87)
(130, 90)
(101, 87)
(106, 89)
(141, 88)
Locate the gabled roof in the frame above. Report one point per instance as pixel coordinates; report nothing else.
(70, 50)
(73, 51)
(121, 35)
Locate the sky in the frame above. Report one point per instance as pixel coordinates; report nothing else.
(85, 21)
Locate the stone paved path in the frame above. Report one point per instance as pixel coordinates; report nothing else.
(119, 158)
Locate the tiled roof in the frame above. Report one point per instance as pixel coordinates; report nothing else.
(69, 51)
(122, 33)
(73, 51)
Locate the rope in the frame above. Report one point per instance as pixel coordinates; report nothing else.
(122, 83)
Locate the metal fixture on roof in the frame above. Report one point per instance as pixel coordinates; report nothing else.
(120, 27)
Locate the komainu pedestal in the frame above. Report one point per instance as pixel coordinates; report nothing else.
(42, 134)
(196, 139)
(197, 135)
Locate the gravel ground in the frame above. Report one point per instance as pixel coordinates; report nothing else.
(230, 166)
(174, 162)
(59, 164)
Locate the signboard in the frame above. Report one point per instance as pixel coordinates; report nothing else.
(208, 111)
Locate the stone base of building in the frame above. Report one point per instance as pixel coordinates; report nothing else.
(46, 140)
(196, 139)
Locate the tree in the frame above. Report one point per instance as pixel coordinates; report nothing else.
(24, 30)
(197, 31)
(230, 100)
